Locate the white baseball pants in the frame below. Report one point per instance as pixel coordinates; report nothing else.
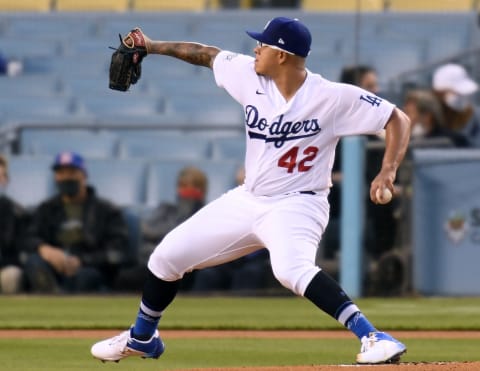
(238, 223)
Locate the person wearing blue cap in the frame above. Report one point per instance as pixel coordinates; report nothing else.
(78, 240)
(294, 119)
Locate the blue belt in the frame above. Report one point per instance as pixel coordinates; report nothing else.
(307, 193)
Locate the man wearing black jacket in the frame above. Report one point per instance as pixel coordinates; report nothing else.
(78, 240)
(13, 219)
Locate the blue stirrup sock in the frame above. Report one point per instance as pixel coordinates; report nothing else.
(157, 295)
(146, 323)
(327, 295)
(360, 325)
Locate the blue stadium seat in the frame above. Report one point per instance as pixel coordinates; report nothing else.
(91, 46)
(229, 148)
(31, 179)
(52, 141)
(445, 45)
(122, 181)
(15, 48)
(162, 146)
(185, 86)
(33, 108)
(234, 39)
(162, 179)
(85, 65)
(327, 65)
(28, 85)
(49, 27)
(442, 34)
(166, 67)
(207, 108)
(84, 86)
(122, 104)
(389, 56)
(173, 27)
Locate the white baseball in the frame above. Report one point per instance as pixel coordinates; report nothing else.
(383, 197)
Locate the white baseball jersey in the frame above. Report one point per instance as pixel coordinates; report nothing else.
(291, 145)
(290, 151)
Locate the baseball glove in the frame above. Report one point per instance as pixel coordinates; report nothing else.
(126, 62)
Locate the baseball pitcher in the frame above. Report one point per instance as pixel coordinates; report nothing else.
(294, 118)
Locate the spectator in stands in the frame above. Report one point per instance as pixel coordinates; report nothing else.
(13, 221)
(3, 64)
(78, 241)
(426, 115)
(192, 186)
(247, 274)
(455, 90)
(365, 77)
(381, 222)
(10, 67)
(361, 75)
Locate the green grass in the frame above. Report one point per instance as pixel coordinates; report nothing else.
(76, 312)
(73, 354)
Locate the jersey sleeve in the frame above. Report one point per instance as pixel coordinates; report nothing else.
(234, 72)
(360, 112)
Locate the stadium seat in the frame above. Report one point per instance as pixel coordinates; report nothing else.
(86, 65)
(229, 148)
(115, 103)
(162, 179)
(94, 47)
(173, 27)
(327, 65)
(341, 5)
(121, 181)
(430, 5)
(220, 109)
(169, 5)
(158, 69)
(161, 146)
(84, 86)
(182, 86)
(92, 5)
(30, 85)
(233, 39)
(390, 56)
(24, 108)
(50, 142)
(15, 48)
(25, 5)
(30, 180)
(51, 27)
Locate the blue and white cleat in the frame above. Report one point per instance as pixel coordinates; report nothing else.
(380, 347)
(124, 345)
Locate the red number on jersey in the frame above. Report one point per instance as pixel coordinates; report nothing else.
(310, 153)
(289, 159)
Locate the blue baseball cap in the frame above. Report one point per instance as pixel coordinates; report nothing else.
(287, 34)
(69, 159)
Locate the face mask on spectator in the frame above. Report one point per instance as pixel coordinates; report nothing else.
(190, 193)
(69, 187)
(457, 102)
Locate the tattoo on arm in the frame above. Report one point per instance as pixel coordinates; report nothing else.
(194, 53)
